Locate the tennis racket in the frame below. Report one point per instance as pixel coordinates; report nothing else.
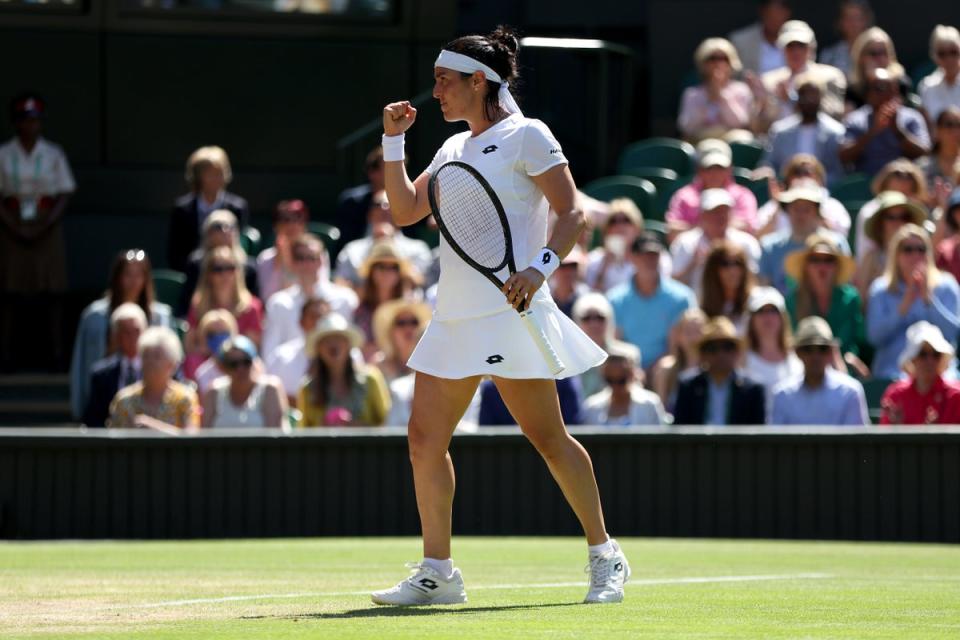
(472, 220)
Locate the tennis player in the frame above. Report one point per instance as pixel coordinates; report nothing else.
(476, 330)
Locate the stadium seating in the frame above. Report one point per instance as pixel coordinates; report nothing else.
(665, 180)
(641, 191)
(746, 154)
(250, 240)
(873, 389)
(665, 153)
(327, 232)
(855, 186)
(758, 186)
(168, 284)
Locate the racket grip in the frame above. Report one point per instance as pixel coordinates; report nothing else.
(532, 323)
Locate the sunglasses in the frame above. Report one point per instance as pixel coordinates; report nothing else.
(913, 248)
(948, 53)
(726, 264)
(305, 257)
(815, 348)
(616, 382)
(236, 363)
(897, 217)
(619, 220)
(881, 87)
(928, 354)
(386, 266)
(724, 346)
(593, 317)
(768, 310)
(875, 52)
(717, 57)
(949, 124)
(406, 322)
(830, 260)
(289, 217)
(135, 255)
(222, 226)
(223, 268)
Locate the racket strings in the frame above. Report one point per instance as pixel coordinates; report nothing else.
(470, 216)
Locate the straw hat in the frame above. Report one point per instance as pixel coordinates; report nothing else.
(919, 334)
(387, 312)
(719, 329)
(333, 324)
(386, 251)
(813, 331)
(889, 200)
(819, 245)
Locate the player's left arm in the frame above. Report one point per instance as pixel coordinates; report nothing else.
(557, 185)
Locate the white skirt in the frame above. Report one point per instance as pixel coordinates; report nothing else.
(500, 345)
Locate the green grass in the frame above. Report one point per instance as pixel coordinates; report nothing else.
(113, 590)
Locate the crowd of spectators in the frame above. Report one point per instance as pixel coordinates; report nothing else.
(733, 312)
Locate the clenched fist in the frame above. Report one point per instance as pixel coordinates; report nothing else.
(398, 117)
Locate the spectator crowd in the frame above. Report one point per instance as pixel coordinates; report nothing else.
(731, 311)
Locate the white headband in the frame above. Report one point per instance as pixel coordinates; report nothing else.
(466, 64)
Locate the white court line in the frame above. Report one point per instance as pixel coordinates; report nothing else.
(546, 585)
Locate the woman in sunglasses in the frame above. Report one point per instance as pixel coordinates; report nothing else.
(894, 210)
(385, 275)
(912, 289)
(925, 397)
(244, 397)
(727, 283)
(941, 88)
(940, 167)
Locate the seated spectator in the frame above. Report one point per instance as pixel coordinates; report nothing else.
(808, 131)
(802, 203)
(219, 230)
(925, 397)
(683, 359)
(35, 186)
(609, 265)
(398, 325)
(799, 45)
(948, 249)
(380, 228)
(719, 395)
(623, 402)
(354, 203)
(802, 170)
(900, 175)
(770, 358)
(567, 282)
(894, 210)
(873, 49)
(208, 174)
(727, 283)
(719, 105)
(284, 307)
(883, 129)
(756, 43)
(855, 17)
(594, 315)
(821, 395)
(216, 327)
(714, 158)
(221, 287)
(911, 289)
(820, 286)
(275, 268)
(495, 413)
(691, 249)
(119, 370)
(941, 166)
(131, 280)
(340, 393)
(157, 401)
(289, 360)
(244, 397)
(647, 306)
(941, 89)
(385, 275)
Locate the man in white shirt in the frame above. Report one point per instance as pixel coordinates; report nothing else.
(756, 43)
(691, 248)
(941, 89)
(289, 360)
(284, 307)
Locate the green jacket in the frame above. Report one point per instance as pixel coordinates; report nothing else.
(845, 316)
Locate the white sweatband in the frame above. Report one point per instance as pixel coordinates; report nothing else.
(392, 147)
(546, 262)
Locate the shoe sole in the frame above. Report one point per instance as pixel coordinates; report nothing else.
(459, 599)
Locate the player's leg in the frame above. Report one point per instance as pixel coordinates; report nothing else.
(438, 405)
(536, 408)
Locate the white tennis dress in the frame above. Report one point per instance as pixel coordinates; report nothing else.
(474, 330)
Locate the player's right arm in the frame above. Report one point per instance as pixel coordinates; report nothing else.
(408, 200)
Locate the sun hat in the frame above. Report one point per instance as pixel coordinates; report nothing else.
(814, 331)
(386, 251)
(625, 350)
(889, 200)
(804, 189)
(710, 199)
(819, 245)
(919, 334)
(761, 297)
(387, 312)
(241, 343)
(333, 324)
(714, 153)
(795, 31)
(719, 329)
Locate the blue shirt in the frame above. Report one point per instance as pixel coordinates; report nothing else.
(646, 321)
(494, 412)
(887, 329)
(778, 245)
(885, 146)
(718, 399)
(839, 401)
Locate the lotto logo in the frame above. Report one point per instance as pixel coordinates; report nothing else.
(489, 149)
(546, 258)
(429, 584)
(495, 359)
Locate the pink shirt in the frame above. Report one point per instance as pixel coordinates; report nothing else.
(685, 205)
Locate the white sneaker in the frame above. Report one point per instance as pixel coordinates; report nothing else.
(608, 572)
(424, 586)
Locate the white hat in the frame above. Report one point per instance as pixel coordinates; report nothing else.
(333, 324)
(919, 334)
(760, 297)
(804, 189)
(710, 199)
(795, 31)
(714, 153)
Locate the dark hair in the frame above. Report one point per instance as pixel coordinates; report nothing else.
(297, 207)
(115, 292)
(952, 110)
(863, 5)
(498, 50)
(19, 100)
(321, 377)
(712, 301)
(309, 302)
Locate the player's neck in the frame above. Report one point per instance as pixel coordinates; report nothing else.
(481, 124)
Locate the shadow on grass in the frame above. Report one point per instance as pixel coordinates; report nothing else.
(398, 612)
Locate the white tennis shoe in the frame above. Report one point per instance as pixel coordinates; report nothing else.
(608, 572)
(425, 586)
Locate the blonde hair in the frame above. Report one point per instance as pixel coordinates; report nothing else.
(900, 165)
(712, 45)
(803, 159)
(203, 158)
(943, 34)
(228, 217)
(892, 271)
(873, 34)
(218, 315)
(203, 296)
(627, 207)
(594, 301)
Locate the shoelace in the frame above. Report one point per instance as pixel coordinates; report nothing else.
(600, 569)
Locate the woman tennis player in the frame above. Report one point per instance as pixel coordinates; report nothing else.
(476, 329)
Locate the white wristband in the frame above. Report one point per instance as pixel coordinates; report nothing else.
(546, 262)
(392, 147)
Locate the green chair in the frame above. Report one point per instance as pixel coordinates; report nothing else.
(746, 154)
(759, 187)
(168, 284)
(641, 191)
(873, 389)
(327, 232)
(250, 240)
(666, 182)
(664, 153)
(853, 208)
(659, 228)
(855, 186)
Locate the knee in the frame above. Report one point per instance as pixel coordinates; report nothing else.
(549, 442)
(423, 445)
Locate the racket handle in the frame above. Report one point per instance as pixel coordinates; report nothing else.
(532, 323)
